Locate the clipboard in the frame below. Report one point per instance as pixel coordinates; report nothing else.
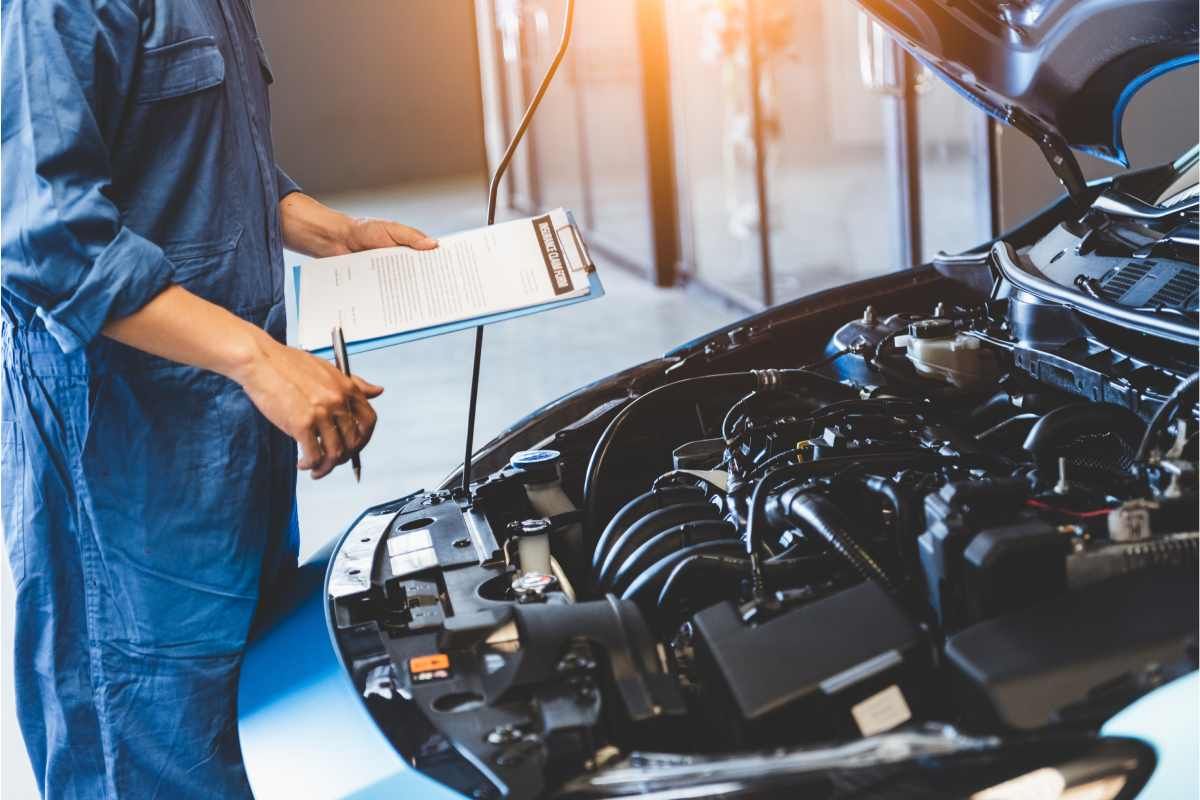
(583, 264)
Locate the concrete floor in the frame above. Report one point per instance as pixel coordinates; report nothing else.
(419, 439)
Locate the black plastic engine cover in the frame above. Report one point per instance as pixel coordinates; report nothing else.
(1024, 669)
(847, 665)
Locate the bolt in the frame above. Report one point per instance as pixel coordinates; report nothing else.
(504, 734)
(1062, 487)
(461, 543)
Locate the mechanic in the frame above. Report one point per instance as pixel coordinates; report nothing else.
(151, 410)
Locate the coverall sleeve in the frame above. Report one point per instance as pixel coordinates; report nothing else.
(284, 182)
(68, 71)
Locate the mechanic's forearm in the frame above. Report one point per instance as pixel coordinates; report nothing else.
(180, 326)
(312, 228)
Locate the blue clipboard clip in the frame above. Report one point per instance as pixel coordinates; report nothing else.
(581, 263)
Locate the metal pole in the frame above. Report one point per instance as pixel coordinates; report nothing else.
(903, 152)
(660, 172)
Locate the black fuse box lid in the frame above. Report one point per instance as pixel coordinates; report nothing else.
(1022, 669)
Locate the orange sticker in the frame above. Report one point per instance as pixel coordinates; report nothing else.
(429, 663)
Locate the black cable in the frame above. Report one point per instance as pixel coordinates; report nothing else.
(827, 360)
(493, 193)
(723, 566)
(727, 422)
(730, 416)
(1163, 415)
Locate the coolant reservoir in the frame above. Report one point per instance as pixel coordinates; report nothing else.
(533, 545)
(937, 350)
(538, 471)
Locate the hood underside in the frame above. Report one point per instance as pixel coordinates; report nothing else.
(1062, 71)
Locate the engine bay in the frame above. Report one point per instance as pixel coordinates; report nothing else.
(916, 527)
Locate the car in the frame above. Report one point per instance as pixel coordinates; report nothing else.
(931, 534)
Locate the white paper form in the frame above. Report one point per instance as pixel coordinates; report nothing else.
(393, 290)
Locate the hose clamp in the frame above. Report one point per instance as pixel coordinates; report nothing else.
(767, 378)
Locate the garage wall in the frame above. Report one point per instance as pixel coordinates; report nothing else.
(370, 93)
(1160, 124)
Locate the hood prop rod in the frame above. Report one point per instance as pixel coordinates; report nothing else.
(493, 192)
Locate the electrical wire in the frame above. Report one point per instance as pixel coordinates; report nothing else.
(1066, 512)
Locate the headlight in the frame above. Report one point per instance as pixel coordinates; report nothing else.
(1110, 769)
(1048, 783)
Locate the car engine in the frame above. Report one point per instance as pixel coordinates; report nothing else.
(943, 507)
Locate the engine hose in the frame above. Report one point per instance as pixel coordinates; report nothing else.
(1064, 424)
(644, 589)
(991, 411)
(1004, 424)
(1164, 413)
(646, 529)
(817, 514)
(713, 573)
(637, 508)
(902, 509)
(665, 543)
(756, 520)
(707, 384)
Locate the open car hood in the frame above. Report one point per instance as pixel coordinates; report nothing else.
(1062, 71)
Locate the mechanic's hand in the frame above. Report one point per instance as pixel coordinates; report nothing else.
(317, 230)
(367, 234)
(309, 399)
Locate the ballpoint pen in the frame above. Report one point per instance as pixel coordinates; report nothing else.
(342, 358)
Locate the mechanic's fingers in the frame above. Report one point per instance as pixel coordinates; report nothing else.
(366, 387)
(332, 445)
(310, 449)
(365, 417)
(410, 237)
(348, 428)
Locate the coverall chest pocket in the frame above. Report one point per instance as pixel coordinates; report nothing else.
(180, 155)
(180, 68)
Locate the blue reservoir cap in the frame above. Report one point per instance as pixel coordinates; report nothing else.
(538, 463)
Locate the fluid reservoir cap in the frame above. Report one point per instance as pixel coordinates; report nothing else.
(530, 527)
(541, 464)
(931, 329)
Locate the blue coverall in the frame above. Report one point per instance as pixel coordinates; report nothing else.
(146, 503)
